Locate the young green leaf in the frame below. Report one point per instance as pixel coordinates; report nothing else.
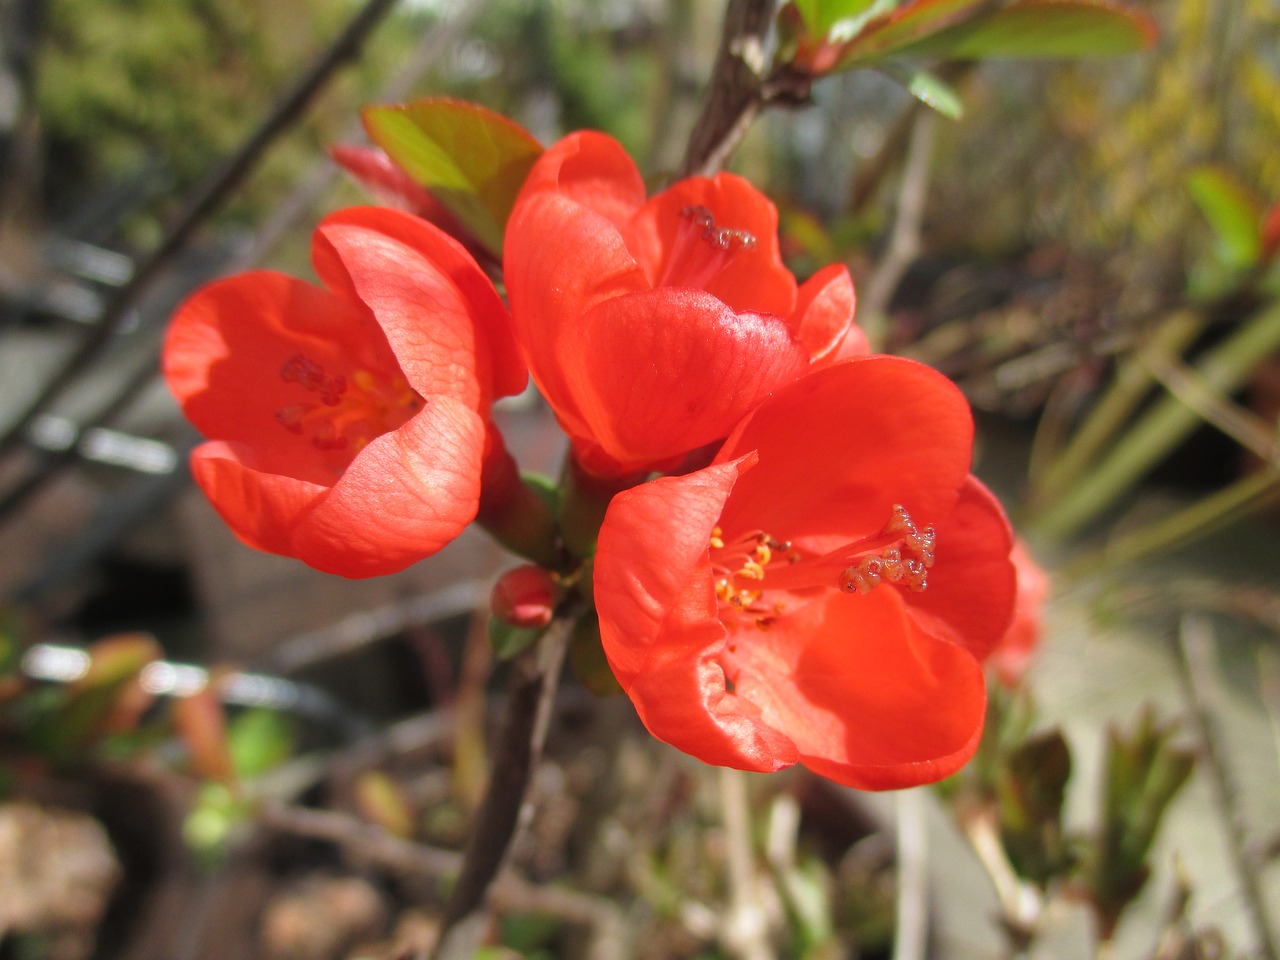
(473, 160)
(1233, 213)
(820, 16)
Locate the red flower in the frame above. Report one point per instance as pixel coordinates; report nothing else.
(652, 327)
(725, 602)
(1013, 655)
(347, 423)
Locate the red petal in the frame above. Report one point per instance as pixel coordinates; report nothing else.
(446, 323)
(406, 495)
(973, 583)
(262, 508)
(658, 373)
(824, 315)
(839, 447)
(870, 699)
(561, 259)
(591, 170)
(754, 279)
(227, 345)
(659, 626)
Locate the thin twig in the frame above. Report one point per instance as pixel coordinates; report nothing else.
(506, 808)
(51, 465)
(911, 936)
(737, 88)
(904, 242)
(745, 928)
(362, 842)
(1192, 648)
(209, 195)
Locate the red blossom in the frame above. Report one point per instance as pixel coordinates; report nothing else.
(348, 423)
(1017, 647)
(653, 326)
(824, 592)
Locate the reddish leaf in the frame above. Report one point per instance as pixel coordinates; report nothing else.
(907, 25)
(1046, 28)
(200, 722)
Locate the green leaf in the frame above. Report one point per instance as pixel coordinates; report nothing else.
(259, 740)
(906, 27)
(821, 16)
(1045, 28)
(473, 160)
(1233, 213)
(509, 640)
(587, 659)
(933, 91)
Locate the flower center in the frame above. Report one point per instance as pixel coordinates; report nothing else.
(345, 415)
(701, 249)
(747, 568)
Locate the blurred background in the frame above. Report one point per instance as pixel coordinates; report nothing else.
(1087, 247)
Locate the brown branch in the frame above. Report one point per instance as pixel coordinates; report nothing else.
(209, 196)
(362, 842)
(505, 809)
(737, 88)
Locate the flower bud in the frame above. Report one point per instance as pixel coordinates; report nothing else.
(524, 597)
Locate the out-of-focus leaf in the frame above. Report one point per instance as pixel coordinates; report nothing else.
(933, 91)
(1044, 28)
(1030, 795)
(1143, 772)
(259, 740)
(587, 659)
(109, 683)
(1270, 233)
(820, 16)
(1232, 211)
(508, 640)
(199, 720)
(473, 160)
(381, 800)
(906, 26)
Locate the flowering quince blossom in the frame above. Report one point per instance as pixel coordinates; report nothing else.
(348, 424)
(1017, 648)
(823, 592)
(653, 326)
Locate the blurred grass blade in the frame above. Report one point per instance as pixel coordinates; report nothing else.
(1234, 502)
(1133, 381)
(1224, 369)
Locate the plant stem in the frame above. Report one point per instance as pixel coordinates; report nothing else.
(737, 88)
(1192, 650)
(505, 809)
